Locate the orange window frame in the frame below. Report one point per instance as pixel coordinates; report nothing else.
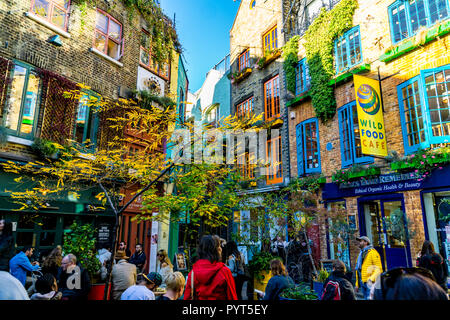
(162, 71)
(270, 39)
(244, 60)
(107, 36)
(245, 108)
(272, 98)
(274, 155)
(51, 6)
(246, 168)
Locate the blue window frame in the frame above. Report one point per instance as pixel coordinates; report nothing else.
(408, 16)
(308, 147)
(22, 103)
(302, 78)
(347, 50)
(86, 122)
(350, 139)
(424, 103)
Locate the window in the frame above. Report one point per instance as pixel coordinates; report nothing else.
(425, 109)
(86, 123)
(147, 60)
(407, 17)
(244, 61)
(20, 113)
(272, 98)
(351, 151)
(108, 36)
(275, 169)
(246, 168)
(348, 50)
(245, 108)
(270, 40)
(54, 11)
(302, 78)
(308, 149)
(182, 112)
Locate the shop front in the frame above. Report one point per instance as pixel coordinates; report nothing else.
(423, 204)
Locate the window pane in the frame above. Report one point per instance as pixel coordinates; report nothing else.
(82, 119)
(59, 17)
(12, 110)
(102, 22)
(30, 104)
(62, 3)
(47, 239)
(114, 30)
(417, 14)
(40, 8)
(145, 57)
(100, 42)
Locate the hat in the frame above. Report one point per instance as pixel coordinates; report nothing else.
(363, 238)
(120, 254)
(153, 277)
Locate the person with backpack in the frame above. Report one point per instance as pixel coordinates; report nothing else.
(235, 262)
(337, 286)
(210, 279)
(368, 267)
(434, 262)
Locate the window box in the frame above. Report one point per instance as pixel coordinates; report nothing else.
(354, 173)
(349, 74)
(401, 165)
(268, 58)
(297, 100)
(237, 77)
(414, 43)
(365, 173)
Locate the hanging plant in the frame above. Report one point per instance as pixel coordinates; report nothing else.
(290, 57)
(319, 37)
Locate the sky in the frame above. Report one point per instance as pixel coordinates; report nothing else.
(203, 27)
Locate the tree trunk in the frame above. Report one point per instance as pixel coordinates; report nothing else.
(309, 253)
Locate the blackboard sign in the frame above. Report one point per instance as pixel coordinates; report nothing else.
(327, 265)
(104, 235)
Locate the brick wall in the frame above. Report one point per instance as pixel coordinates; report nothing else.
(247, 32)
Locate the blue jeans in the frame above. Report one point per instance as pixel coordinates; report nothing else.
(365, 291)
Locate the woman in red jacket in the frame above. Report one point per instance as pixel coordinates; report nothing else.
(210, 279)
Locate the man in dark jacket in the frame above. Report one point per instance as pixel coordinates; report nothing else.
(338, 276)
(138, 258)
(73, 281)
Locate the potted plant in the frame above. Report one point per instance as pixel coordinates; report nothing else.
(80, 240)
(319, 280)
(259, 268)
(298, 292)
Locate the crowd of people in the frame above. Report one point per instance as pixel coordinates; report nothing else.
(218, 273)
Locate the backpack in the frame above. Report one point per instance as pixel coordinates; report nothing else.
(332, 291)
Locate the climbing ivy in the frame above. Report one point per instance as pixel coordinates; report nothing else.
(319, 37)
(290, 57)
(164, 36)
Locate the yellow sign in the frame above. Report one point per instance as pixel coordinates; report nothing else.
(370, 116)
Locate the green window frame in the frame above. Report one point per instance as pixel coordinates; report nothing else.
(21, 108)
(86, 122)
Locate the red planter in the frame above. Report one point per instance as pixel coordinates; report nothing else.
(98, 290)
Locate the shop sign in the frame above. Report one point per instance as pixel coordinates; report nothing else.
(104, 234)
(390, 180)
(370, 116)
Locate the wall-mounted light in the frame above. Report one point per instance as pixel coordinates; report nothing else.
(56, 40)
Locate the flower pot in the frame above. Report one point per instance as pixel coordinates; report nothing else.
(98, 290)
(318, 288)
(261, 284)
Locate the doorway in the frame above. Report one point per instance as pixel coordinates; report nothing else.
(393, 249)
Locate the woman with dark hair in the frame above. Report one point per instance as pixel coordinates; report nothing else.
(52, 262)
(210, 279)
(235, 262)
(434, 262)
(279, 281)
(47, 288)
(6, 244)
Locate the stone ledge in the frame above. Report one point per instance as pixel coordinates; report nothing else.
(104, 56)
